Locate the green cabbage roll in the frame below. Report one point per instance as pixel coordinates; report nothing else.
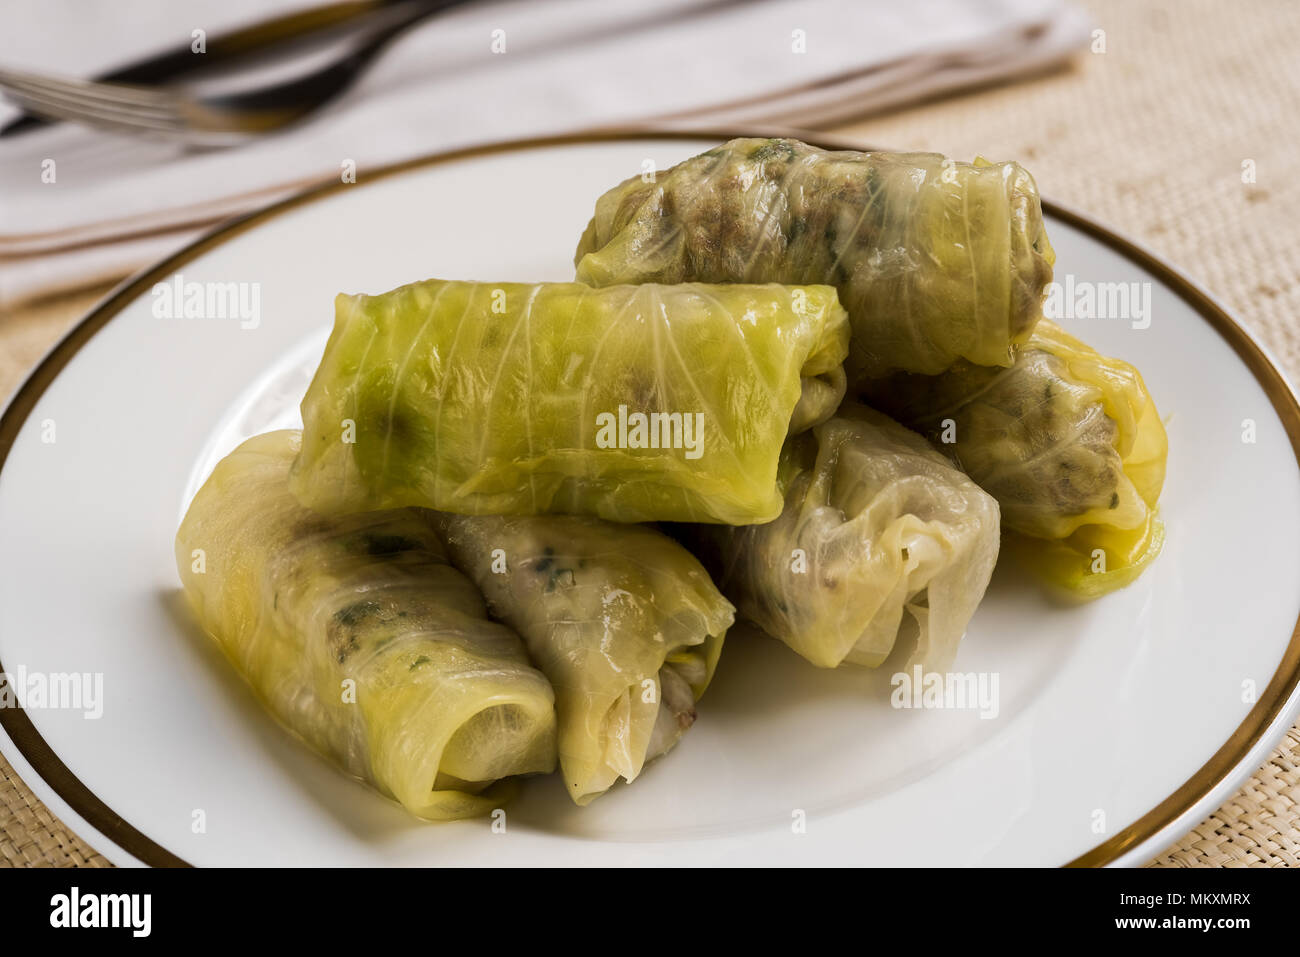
(880, 539)
(362, 640)
(934, 260)
(632, 403)
(622, 619)
(1067, 440)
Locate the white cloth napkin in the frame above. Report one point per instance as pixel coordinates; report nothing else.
(118, 203)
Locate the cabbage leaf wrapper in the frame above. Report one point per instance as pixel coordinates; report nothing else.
(623, 620)
(632, 403)
(881, 539)
(1067, 440)
(934, 260)
(362, 640)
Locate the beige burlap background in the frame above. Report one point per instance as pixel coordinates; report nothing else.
(1149, 136)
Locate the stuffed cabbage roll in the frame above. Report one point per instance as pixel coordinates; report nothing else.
(622, 619)
(880, 539)
(1067, 440)
(361, 639)
(632, 403)
(934, 260)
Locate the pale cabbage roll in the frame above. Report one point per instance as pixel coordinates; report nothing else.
(880, 539)
(623, 620)
(1067, 440)
(362, 640)
(934, 260)
(633, 403)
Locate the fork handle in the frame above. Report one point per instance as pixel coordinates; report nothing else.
(289, 28)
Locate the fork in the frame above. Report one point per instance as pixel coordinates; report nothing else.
(207, 121)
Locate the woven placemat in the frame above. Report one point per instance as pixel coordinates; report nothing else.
(30, 836)
(1149, 136)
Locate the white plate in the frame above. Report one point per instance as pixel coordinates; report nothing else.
(1121, 722)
